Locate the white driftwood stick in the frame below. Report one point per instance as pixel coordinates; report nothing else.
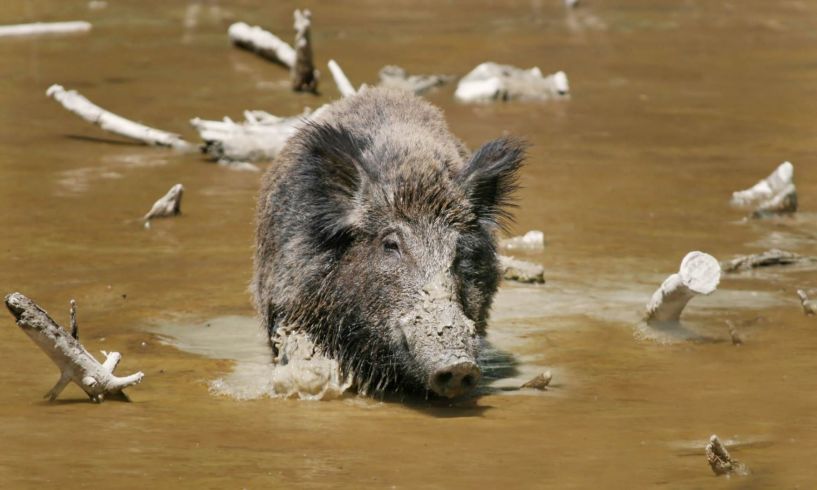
(84, 108)
(491, 81)
(168, 205)
(74, 361)
(776, 194)
(259, 138)
(39, 28)
(699, 274)
(304, 75)
(263, 43)
(344, 85)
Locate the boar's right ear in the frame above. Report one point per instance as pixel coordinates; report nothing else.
(490, 178)
(333, 174)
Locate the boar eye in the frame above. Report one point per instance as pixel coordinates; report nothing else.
(391, 244)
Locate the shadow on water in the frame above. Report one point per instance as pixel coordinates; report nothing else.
(100, 139)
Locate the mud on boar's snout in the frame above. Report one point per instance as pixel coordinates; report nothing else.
(442, 340)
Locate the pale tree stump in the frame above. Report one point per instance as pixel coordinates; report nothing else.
(74, 361)
(108, 121)
(774, 195)
(271, 47)
(304, 75)
(699, 274)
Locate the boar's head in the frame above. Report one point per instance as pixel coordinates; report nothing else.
(406, 241)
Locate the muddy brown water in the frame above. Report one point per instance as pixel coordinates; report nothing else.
(675, 105)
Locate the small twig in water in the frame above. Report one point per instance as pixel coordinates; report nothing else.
(540, 382)
(720, 461)
(809, 305)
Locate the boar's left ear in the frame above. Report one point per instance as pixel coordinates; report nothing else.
(334, 174)
(490, 178)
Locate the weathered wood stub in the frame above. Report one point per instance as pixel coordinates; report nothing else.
(73, 360)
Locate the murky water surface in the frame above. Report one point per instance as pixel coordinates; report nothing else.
(675, 105)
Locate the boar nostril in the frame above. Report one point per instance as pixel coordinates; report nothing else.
(455, 379)
(442, 379)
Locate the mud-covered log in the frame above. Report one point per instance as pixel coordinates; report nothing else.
(769, 258)
(304, 75)
(40, 28)
(491, 82)
(809, 305)
(721, 462)
(263, 43)
(774, 195)
(521, 271)
(532, 241)
(108, 121)
(258, 138)
(168, 205)
(395, 77)
(73, 360)
(699, 274)
(345, 87)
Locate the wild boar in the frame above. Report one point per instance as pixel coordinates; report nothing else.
(376, 238)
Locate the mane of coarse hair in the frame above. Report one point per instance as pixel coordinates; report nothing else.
(336, 323)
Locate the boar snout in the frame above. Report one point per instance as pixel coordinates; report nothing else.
(455, 379)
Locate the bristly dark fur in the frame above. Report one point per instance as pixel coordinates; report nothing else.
(382, 162)
(491, 180)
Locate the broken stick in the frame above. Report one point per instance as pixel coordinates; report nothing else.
(699, 274)
(344, 85)
(771, 257)
(721, 461)
(263, 43)
(771, 196)
(540, 382)
(168, 205)
(74, 361)
(84, 108)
